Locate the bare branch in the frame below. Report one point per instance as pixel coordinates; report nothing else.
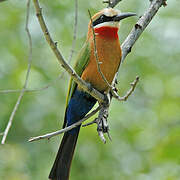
(131, 90)
(32, 90)
(49, 135)
(2, 1)
(74, 35)
(96, 54)
(140, 27)
(112, 3)
(101, 121)
(93, 92)
(26, 80)
(61, 75)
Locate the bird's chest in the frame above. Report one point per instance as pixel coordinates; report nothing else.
(109, 56)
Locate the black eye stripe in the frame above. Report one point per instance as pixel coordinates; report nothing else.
(102, 19)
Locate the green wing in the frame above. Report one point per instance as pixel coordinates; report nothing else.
(81, 63)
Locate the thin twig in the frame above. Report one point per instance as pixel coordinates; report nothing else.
(19, 90)
(50, 135)
(112, 3)
(26, 80)
(61, 75)
(74, 35)
(102, 125)
(32, 90)
(131, 90)
(93, 92)
(2, 1)
(96, 53)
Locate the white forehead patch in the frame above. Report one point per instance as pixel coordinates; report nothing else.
(111, 12)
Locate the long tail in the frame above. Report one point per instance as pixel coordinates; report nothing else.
(62, 164)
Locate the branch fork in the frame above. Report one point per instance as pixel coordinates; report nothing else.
(102, 119)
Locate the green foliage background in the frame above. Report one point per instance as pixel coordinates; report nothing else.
(145, 129)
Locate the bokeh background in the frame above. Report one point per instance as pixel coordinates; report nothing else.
(145, 129)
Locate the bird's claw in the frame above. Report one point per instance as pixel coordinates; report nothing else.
(102, 123)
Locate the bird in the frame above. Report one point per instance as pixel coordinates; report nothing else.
(102, 32)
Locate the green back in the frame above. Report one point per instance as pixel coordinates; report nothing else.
(81, 63)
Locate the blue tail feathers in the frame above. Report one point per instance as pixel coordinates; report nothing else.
(79, 105)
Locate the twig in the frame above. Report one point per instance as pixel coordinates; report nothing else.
(74, 35)
(2, 1)
(18, 90)
(49, 135)
(61, 75)
(93, 92)
(112, 3)
(101, 121)
(32, 90)
(26, 80)
(75, 31)
(96, 54)
(140, 27)
(124, 98)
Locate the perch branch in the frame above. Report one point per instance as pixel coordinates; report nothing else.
(93, 92)
(49, 135)
(26, 80)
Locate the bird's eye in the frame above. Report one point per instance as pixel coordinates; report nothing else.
(102, 18)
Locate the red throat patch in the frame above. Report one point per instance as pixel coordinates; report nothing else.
(106, 31)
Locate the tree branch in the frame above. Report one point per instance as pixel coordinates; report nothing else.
(26, 80)
(61, 75)
(112, 3)
(49, 135)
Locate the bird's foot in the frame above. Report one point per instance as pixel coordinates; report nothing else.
(102, 122)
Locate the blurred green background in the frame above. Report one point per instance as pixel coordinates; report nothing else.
(145, 129)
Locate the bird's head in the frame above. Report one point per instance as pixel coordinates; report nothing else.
(107, 18)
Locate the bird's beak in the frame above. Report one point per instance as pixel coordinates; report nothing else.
(123, 16)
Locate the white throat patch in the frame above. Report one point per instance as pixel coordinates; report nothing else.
(109, 24)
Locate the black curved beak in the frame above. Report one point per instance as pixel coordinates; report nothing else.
(123, 16)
